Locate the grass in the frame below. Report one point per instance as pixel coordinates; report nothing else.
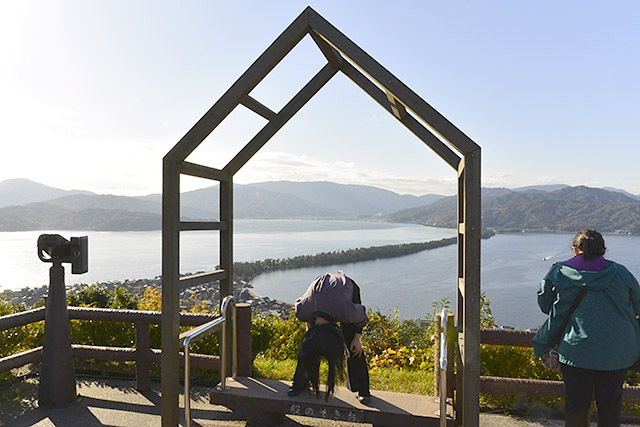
(386, 379)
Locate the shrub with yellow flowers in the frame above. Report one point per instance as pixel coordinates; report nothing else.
(403, 357)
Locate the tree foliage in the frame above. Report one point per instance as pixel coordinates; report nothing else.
(248, 270)
(566, 210)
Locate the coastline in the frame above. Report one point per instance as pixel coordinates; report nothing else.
(205, 293)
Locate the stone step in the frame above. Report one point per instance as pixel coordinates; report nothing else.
(266, 402)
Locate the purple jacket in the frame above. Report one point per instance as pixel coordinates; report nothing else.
(332, 294)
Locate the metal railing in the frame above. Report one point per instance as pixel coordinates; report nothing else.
(442, 395)
(186, 338)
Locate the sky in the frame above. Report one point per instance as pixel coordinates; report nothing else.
(94, 93)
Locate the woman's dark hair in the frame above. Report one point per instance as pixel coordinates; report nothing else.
(590, 242)
(322, 341)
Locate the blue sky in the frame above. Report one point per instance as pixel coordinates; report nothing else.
(95, 93)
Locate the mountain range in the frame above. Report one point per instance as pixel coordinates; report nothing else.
(52, 208)
(27, 205)
(567, 209)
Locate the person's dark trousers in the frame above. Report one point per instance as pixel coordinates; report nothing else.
(356, 366)
(582, 385)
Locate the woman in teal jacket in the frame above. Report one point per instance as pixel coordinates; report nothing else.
(602, 338)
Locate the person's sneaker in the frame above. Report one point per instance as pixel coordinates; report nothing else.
(364, 399)
(292, 392)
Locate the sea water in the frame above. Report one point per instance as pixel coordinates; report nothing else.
(512, 264)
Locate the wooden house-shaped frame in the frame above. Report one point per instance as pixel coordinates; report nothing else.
(434, 130)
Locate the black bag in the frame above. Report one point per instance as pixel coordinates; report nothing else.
(550, 359)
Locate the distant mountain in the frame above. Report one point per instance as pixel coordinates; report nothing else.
(131, 204)
(547, 188)
(441, 213)
(121, 213)
(352, 199)
(533, 208)
(46, 216)
(254, 202)
(566, 210)
(619, 190)
(21, 191)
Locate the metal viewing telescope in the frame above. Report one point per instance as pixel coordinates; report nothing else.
(57, 379)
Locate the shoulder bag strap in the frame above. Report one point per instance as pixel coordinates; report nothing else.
(576, 303)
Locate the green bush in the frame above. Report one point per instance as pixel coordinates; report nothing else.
(275, 337)
(22, 338)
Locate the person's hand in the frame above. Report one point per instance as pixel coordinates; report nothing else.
(356, 346)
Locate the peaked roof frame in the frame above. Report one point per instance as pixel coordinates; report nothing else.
(433, 129)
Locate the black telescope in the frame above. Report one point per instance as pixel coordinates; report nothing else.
(57, 379)
(61, 250)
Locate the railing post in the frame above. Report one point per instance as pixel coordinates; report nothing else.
(143, 348)
(451, 351)
(243, 313)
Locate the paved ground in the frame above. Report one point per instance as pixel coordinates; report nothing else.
(117, 403)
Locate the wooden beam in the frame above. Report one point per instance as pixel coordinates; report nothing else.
(200, 171)
(332, 55)
(259, 108)
(384, 78)
(202, 278)
(202, 225)
(412, 124)
(289, 38)
(17, 360)
(287, 112)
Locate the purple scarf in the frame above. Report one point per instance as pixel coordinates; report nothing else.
(594, 264)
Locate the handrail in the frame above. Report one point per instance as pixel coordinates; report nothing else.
(21, 318)
(443, 368)
(202, 331)
(145, 354)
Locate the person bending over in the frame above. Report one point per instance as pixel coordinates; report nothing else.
(332, 298)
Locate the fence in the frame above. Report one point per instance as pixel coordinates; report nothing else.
(516, 386)
(143, 355)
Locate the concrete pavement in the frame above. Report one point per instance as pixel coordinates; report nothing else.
(117, 403)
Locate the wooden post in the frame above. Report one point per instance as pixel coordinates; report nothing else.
(170, 366)
(451, 354)
(143, 347)
(469, 222)
(243, 311)
(226, 257)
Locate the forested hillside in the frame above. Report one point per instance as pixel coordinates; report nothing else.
(566, 210)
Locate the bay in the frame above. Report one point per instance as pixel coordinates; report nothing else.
(511, 269)
(134, 255)
(512, 264)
